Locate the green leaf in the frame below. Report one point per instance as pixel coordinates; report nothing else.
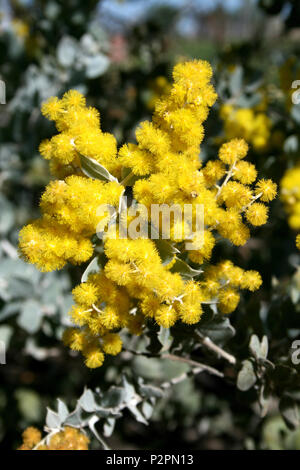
(93, 267)
(165, 338)
(74, 418)
(184, 269)
(264, 347)
(166, 250)
(109, 427)
(31, 316)
(149, 391)
(137, 414)
(87, 401)
(254, 346)
(113, 397)
(53, 420)
(147, 409)
(236, 81)
(10, 309)
(289, 411)
(246, 377)
(219, 330)
(93, 169)
(62, 410)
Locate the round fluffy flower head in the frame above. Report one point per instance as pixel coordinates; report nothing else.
(251, 280)
(46, 149)
(52, 108)
(267, 188)
(112, 344)
(94, 357)
(228, 300)
(85, 294)
(73, 98)
(67, 439)
(257, 214)
(166, 316)
(31, 437)
(196, 72)
(245, 172)
(232, 151)
(213, 172)
(298, 242)
(236, 195)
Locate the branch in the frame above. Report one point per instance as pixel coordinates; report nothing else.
(198, 366)
(229, 175)
(206, 341)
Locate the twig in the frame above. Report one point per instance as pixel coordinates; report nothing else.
(180, 378)
(46, 439)
(229, 175)
(198, 365)
(206, 341)
(251, 202)
(172, 357)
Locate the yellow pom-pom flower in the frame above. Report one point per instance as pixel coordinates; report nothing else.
(257, 214)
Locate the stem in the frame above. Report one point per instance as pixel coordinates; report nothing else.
(252, 201)
(47, 437)
(229, 175)
(97, 309)
(198, 366)
(180, 378)
(216, 349)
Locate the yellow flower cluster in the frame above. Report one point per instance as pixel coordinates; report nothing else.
(290, 196)
(136, 287)
(158, 87)
(69, 220)
(79, 133)
(252, 125)
(67, 439)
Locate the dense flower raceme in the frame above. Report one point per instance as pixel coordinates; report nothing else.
(67, 439)
(290, 196)
(253, 125)
(136, 286)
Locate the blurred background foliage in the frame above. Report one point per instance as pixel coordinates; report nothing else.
(120, 54)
